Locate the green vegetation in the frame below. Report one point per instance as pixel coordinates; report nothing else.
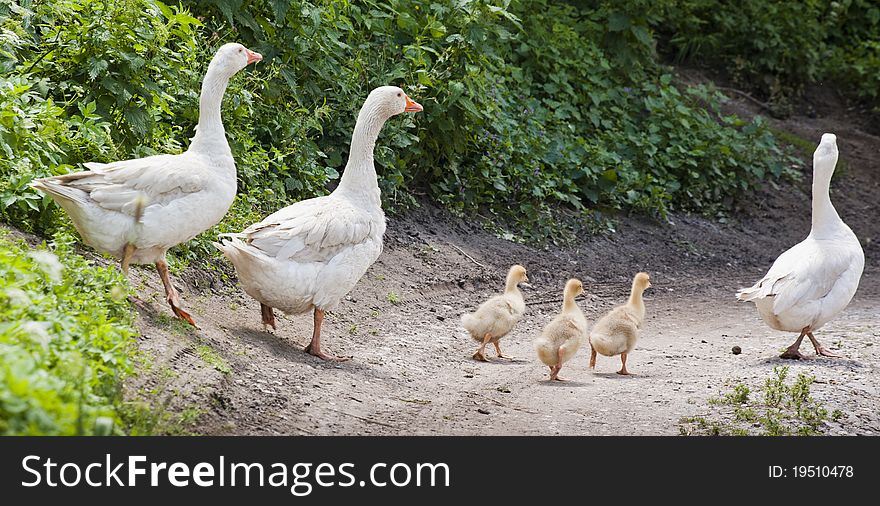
(782, 410)
(65, 341)
(174, 325)
(565, 109)
(778, 47)
(212, 358)
(544, 116)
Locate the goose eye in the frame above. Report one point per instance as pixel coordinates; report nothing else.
(398, 94)
(239, 50)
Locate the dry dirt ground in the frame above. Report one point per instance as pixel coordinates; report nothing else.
(411, 371)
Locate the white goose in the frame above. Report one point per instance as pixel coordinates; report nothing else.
(137, 209)
(812, 282)
(308, 255)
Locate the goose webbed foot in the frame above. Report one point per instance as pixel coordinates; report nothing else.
(792, 353)
(554, 373)
(479, 355)
(623, 371)
(183, 315)
(316, 352)
(821, 350)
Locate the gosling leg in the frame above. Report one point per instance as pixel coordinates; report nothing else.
(480, 353)
(499, 354)
(623, 370)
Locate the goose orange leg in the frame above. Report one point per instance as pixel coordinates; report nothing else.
(268, 317)
(592, 357)
(127, 253)
(314, 347)
(792, 351)
(126, 257)
(171, 294)
(820, 350)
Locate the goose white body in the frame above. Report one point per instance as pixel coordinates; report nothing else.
(309, 255)
(179, 195)
(183, 196)
(813, 281)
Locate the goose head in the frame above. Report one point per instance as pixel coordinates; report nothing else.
(231, 58)
(642, 281)
(388, 101)
(573, 288)
(825, 156)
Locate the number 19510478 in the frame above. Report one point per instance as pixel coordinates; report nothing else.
(810, 472)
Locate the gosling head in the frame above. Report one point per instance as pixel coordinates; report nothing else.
(232, 57)
(517, 276)
(642, 281)
(388, 101)
(573, 288)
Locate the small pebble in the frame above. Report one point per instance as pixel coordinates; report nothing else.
(483, 411)
(736, 350)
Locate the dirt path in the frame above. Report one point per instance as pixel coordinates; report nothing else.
(412, 372)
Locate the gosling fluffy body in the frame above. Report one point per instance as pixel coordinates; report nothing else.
(616, 333)
(564, 334)
(496, 317)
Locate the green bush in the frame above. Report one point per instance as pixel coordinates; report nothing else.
(777, 47)
(531, 106)
(65, 329)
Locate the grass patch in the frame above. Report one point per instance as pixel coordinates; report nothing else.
(174, 325)
(804, 148)
(212, 358)
(780, 408)
(155, 417)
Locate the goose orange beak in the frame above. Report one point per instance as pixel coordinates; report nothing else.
(253, 56)
(412, 105)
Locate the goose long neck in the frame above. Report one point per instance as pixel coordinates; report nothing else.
(210, 134)
(359, 176)
(635, 298)
(510, 285)
(568, 302)
(825, 217)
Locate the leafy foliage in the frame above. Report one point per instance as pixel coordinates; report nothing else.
(65, 330)
(527, 106)
(777, 47)
(524, 114)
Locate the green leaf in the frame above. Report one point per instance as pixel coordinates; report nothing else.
(618, 21)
